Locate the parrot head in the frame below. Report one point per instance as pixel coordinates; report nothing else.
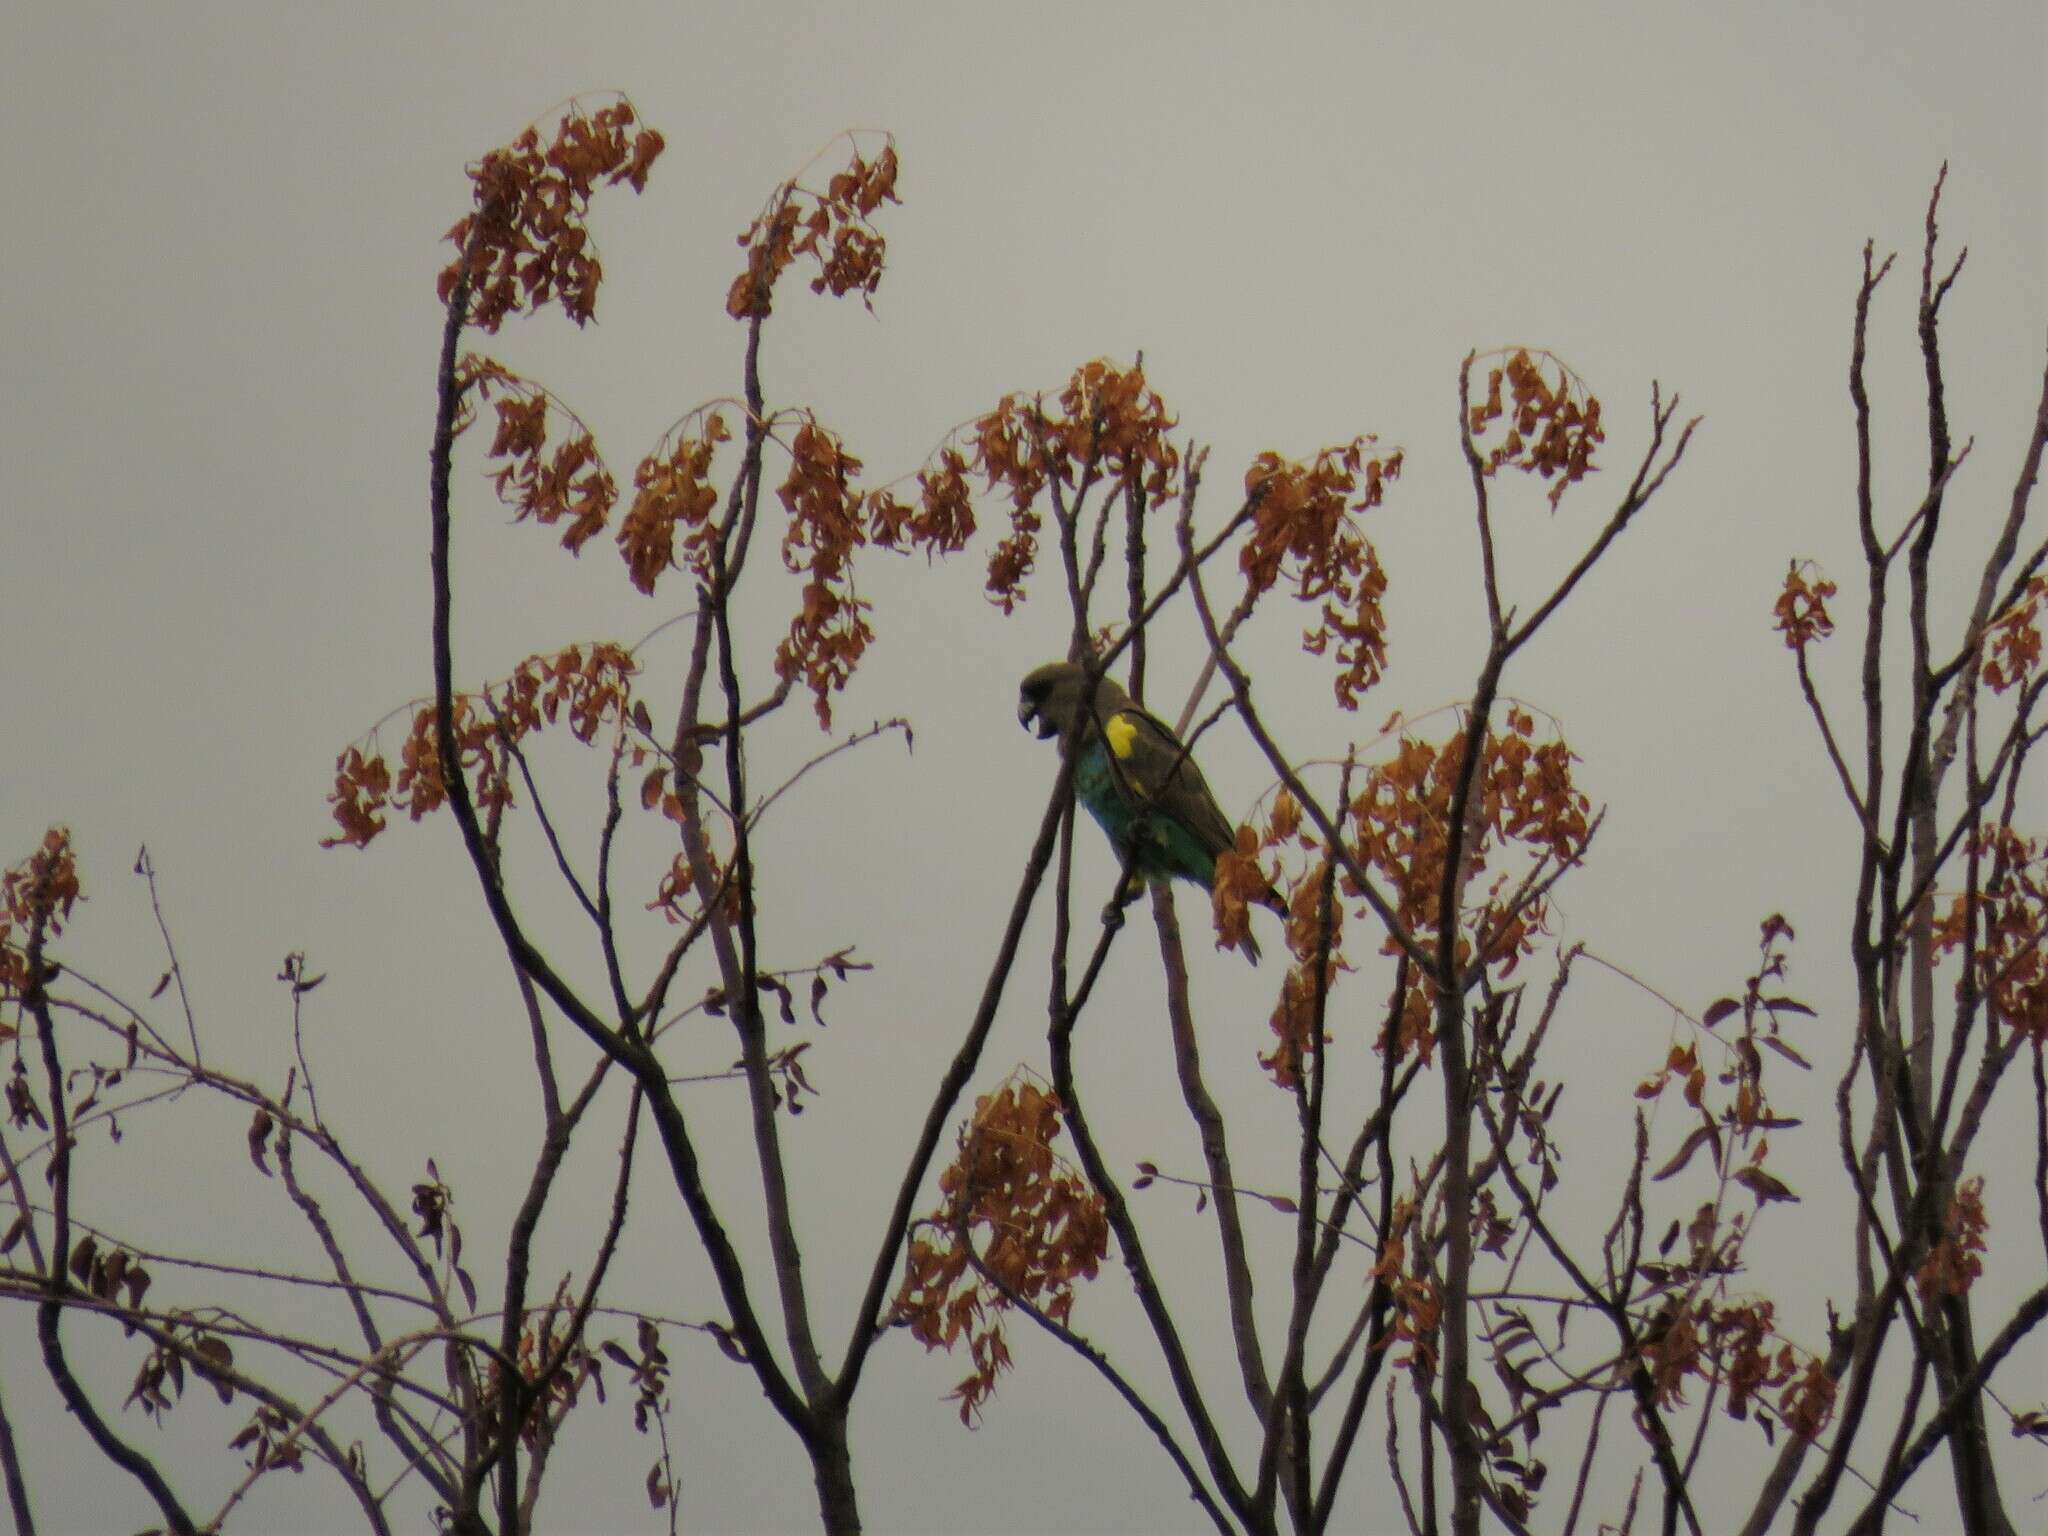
(1050, 697)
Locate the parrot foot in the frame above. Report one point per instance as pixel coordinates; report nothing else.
(1132, 889)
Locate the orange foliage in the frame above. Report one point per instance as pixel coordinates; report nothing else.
(593, 685)
(1744, 1334)
(1523, 794)
(1110, 427)
(1302, 528)
(671, 488)
(1808, 1401)
(1294, 1016)
(571, 484)
(833, 228)
(1954, 1263)
(1741, 1345)
(1802, 608)
(1239, 882)
(1043, 1231)
(678, 887)
(1418, 1305)
(2013, 640)
(1245, 876)
(39, 891)
(43, 887)
(1552, 429)
(1523, 798)
(830, 632)
(1681, 1065)
(526, 243)
(2011, 942)
(943, 520)
(1671, 1351)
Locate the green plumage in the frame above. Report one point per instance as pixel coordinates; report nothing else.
(1134, 777)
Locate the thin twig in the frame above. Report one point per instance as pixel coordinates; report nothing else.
(147, 870)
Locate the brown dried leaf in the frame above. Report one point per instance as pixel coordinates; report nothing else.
(259, 1135)
(1763, 1186)
(1786, 1051)
(1700, 1137)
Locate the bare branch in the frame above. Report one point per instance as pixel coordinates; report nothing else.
(50, 1314)
(10, 1470)
(147, 870)
(1136, 1264)
(1649, 479)
(1120, 1384)
(869, 1319)
(1967, 1391)
(1202, 1109)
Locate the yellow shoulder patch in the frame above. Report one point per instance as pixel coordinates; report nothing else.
(1120, 732)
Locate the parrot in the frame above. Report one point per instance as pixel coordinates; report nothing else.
(1151, 793)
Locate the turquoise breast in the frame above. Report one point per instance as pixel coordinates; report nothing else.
(1168, 850)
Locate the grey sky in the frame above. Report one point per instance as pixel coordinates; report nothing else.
(217, 333)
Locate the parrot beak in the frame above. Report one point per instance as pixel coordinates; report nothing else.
(1029, 717)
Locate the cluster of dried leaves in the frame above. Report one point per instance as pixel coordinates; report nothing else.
(1241, 881)
(525, 244)
(1955, 1261)
(1041, 1230)
(1802, 607)
(1701, 1328)
(531, 247)
(1303, 529)
(675, 500)
(589, 685)
(104, 1273)
(672, 489)
(830, 632)
(1738, 1346)
(1523, 794)
(942, 521)
(1528, 819)
(2009, 913)
(1418, 1305)
(570, 485)
(1109, 428)
(1551, 428)
(160, 1384)
(433, 1203)
(2013, 642)
(36, 894)
(1315, 936)
(832, 227)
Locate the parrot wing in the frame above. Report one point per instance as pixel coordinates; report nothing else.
(1154, 768)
